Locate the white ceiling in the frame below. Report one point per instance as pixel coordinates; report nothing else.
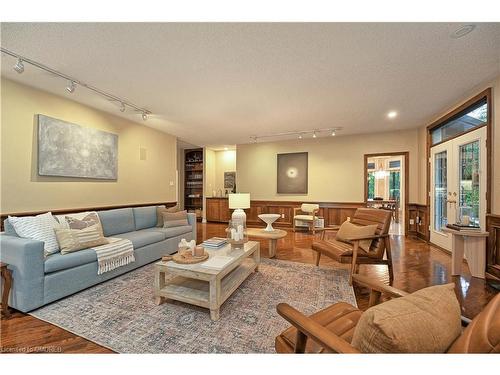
(218, 84)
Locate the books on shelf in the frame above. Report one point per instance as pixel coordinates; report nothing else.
(464, 228)
(214, 242)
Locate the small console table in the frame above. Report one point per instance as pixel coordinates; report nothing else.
(473, 245)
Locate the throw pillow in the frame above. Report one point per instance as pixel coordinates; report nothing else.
(427, 321)
(77, 239)
(40, 228)
(348, 230)
(159, 214)
(87, 221)
(174, 219)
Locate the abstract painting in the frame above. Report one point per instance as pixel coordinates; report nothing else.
(292, 173)
(70, 150)
(229, 180)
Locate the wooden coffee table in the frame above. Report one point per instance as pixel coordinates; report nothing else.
(202, 286)
(273, 237)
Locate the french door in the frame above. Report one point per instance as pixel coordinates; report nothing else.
(458, 184)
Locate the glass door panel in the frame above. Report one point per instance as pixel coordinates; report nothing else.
(469, 183)
(440, 190)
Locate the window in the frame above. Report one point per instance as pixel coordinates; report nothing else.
(371, 185)
(472, 117)
(394, 191)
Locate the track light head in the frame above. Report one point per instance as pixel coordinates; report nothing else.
(300, 135)
(333, 133)
(71, 87)
(314, 135)
(19, 67)
(144, 116)
(122, 107)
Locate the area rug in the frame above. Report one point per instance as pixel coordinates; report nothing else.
(121, 315)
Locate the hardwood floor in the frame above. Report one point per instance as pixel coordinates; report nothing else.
(416, 265)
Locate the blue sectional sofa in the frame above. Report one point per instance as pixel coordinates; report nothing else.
(39, 280)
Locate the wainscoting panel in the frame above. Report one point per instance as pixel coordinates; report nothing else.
(63, 211)
(420, 227)
(493, 248)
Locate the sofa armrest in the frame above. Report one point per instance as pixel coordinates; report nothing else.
(192, 222)
(26, 260)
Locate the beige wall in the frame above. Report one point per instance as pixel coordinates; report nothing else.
(139, 181)
(336, 165)
(225, 161)
(495, 85)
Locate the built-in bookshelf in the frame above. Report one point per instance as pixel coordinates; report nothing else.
(193, 181)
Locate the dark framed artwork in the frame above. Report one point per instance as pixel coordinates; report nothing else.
(292, 173)
(229, 180)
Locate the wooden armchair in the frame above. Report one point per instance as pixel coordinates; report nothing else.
(331, 330)
(306, 212)
(343, 252)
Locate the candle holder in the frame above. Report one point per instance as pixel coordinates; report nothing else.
(237, 234)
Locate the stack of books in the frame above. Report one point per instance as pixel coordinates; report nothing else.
(214, 243)
(463, 228)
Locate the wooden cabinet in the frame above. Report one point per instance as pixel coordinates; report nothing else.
(417, 214)
(218, 210)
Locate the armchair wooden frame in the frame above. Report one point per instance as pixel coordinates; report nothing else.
(298, 211)
(307, 328)
(348, 251)
(355, 260)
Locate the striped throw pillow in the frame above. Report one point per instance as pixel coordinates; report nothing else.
(77, 239)
(175, 219)
(40, 228)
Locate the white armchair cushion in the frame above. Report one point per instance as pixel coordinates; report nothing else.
(309, 207)
(303, 217)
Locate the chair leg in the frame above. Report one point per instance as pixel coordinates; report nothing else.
(318, 256)
(389, 259)
(354, 260)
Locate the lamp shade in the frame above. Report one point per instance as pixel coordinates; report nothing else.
(239, 200)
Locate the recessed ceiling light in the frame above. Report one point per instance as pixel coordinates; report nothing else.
(144, 116)
(392, 114)
(462, 31)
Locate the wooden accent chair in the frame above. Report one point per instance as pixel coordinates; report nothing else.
(306, 212)
(343, 252)
(331, 330)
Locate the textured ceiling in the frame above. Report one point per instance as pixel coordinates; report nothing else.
(220, 83)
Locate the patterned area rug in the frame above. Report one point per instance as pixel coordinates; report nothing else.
(120, 314)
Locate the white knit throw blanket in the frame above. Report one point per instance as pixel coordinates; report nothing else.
(118, 252)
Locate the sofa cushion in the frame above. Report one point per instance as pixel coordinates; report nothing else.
(9, 229)
(39, 227)
(143, 237)
(175, 231)
(175, 219)
(59, 262)
(427, 321)
(145, 217)
(117, 221)
(71, 240)
(159, 214)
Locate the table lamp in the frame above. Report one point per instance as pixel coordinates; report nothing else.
(238, 202)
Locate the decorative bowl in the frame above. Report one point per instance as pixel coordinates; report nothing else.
(269, 219)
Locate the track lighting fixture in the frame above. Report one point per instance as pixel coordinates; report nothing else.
(19, 67)
(71, 87)
(299, 134)
(73, 82)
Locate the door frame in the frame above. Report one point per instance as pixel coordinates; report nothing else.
(483, 94)
(406, 160)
